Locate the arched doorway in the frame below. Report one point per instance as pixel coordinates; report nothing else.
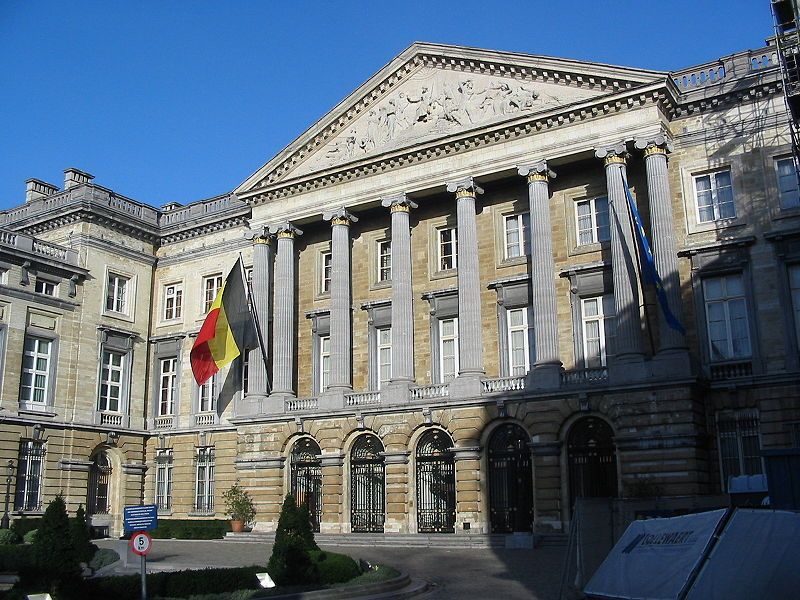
(436, 483)
(510, 480)
(367, 485)
(592, 460)
(98, 501)
(306, 473)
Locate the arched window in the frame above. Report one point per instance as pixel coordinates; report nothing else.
(436, 483)
(306, 474)
(99, 485)
(510, 480)
(367, 485)
(592, 460)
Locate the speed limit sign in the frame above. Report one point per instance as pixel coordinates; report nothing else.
(141, 543)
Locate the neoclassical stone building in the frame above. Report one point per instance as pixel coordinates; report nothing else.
(444, 269)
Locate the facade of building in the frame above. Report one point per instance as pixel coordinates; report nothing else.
(447, 279)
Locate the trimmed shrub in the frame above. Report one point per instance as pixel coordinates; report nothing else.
(25, 524)
(103, 557)
(81, 540)
(290, 563)
(8, 537)
(15, 558)
(30, 537)
(56, 562)
(334, 567)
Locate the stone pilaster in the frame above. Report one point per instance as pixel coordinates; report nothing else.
(402, 299)
(396, 463)
(470, 344)
(468, 491)
(332, 493)
(628, 360)
(665, 251)
(546, 456)
(546, 372)
(341, 312)
(284, 311)
(258, 383)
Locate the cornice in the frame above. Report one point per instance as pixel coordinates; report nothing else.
(94, 242)
(210, 250)
(86, 213)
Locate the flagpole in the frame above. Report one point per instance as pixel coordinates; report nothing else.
(254, 313)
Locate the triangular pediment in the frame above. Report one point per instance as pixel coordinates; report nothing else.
(431, 92)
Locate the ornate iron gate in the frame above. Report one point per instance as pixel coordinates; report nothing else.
(436, 483)
(510, 480)
(99, 485)
(367, 485)
(592, 460)
(306, 473)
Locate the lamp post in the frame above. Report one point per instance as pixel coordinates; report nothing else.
(9, 475)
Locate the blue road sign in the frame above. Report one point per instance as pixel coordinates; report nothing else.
(140, 518)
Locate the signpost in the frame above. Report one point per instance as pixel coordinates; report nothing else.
(139, 520)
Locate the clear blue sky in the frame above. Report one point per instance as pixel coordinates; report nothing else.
(178, 100)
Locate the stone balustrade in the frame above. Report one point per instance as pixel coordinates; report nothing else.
(27, 243)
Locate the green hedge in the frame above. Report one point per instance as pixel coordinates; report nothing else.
(14, 558)
(333, 567)
(25, 524)
(189, 529)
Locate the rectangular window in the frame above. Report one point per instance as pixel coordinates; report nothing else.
(168, 386)
(515, 233)
(164, 479)
(245, 371)
(211, 286)
(384, 355)
(324, 367)
(204, 481)
(448, 248)
(714, 195)
(448, 349)
(597, 314)
(592, 221)
(35, 383)
(208, 395)
(739, 444)
(726, 317)
(48, 288)
(117, 293)
(325, 272)
(794, 288)
(111, 369)
(29, 475)
(384, 260)
(3, 276)
(787, 183)
(518, 348)
(173, 301)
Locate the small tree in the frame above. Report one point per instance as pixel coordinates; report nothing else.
(290, 562)
(80, 536)
(55, 553)
(238, 504)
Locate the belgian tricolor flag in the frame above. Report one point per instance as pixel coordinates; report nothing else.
(228, 329)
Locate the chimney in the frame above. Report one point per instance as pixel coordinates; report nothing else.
(36, 188)
(73, 177)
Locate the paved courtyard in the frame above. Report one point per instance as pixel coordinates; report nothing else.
(455, 574)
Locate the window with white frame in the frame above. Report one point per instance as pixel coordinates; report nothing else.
(383, 359)
(787, 183)
(726, 317)
(324, 366)
(794, 289)
(448, 349)
(597, 315)
(714, 196)
(3, 276)
(207, 395)
(211, 287)
(515, 235)
(245, 371)
(518, 348)
(168, 377)
(36, 362)
(447, 244)
(29, 475)
(204, 480)
(325, 263)
(164, 461)
(48, 288)
(591, 221)
(384, 251)
(111, 382)
(117, 289)
(739, 444)
(173, 301)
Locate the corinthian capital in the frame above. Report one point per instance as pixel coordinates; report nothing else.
(261, 235)
(340, 216)
(285, 230)
(400, 202)
(464, 187)
(657, 144)
(536, 172)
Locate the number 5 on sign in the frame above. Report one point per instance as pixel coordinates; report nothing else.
(141, 543)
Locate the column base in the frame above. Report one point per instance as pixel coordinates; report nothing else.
(466, 385)
(545, 376)
(671, 364)
(627, 368)
(251, 404)
(396, 391)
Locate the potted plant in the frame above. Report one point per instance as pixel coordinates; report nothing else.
(239, 505)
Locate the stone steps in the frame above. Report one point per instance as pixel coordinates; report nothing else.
(520, 540)
(551, 540)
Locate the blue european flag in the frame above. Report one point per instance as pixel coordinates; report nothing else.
(648, 265)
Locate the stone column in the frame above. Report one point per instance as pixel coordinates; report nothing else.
(665, 251)
(397, 475)
(470, 344)
(283, 308)
(253, 402)
(402, 298)
(468, 490)
(341, 337)
(332, 493)
(546, 372)
(628, 360)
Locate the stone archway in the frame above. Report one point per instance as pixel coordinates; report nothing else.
(306, 477)
(510, 480)
(436, 483)
(367, 485)
(591, 460)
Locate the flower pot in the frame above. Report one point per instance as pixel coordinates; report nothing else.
(237, 526)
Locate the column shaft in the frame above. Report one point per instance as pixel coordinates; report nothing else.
(284, 315)
(402, 313)
(262, 270)
(469, 285)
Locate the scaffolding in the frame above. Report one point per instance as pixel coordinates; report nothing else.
(786, 18)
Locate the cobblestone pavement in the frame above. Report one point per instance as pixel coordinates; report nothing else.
(455, 574)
